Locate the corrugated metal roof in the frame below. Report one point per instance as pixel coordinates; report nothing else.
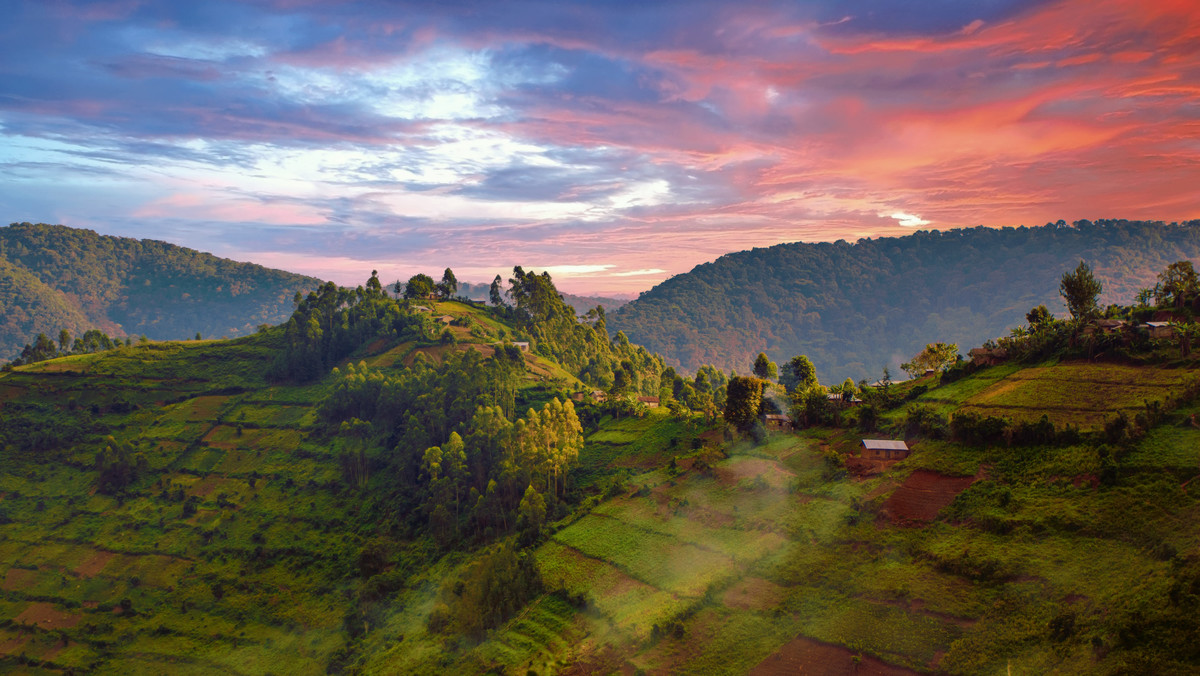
(1157, 325)
(884, 445)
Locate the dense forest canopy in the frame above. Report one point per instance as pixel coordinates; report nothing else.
(854, 307)
(53, 277)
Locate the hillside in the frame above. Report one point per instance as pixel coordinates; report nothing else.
(854, 307)
(54, 277)
(174, 507)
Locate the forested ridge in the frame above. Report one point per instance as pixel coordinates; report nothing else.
(854, 307)
(53, 277)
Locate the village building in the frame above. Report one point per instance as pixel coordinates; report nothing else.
(983, 356)
(421, 308)
(884, 449)
(446, 319)
(521, 345)
(838, 399)
(650, 402)
(1105, 326)
(1159, 329)
(778, 422)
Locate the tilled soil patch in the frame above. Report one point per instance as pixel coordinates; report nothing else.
(923, 494)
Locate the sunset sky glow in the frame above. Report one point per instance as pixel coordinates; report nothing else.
(613, 144)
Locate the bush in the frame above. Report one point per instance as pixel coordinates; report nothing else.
(971, 428)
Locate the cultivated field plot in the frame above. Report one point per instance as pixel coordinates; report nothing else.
(218, 562)
(1078, 393)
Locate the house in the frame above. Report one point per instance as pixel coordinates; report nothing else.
(983, 356)
(884, 449)
(1103, 326)
(521, 345)
(421, 308)
(1159, 329)
(778, 421)
(445, 319)
(650, 402)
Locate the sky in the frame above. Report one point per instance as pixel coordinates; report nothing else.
(613, 144)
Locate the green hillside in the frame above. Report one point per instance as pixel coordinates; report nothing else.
(54, 277)
(854, 307)
(396, 487)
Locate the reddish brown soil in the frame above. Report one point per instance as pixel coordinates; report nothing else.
(206, 485)
(17, 579)
(753, 593)
(923, 495)
(46, 616)
(94, 564)
(748, 469)
(604, 660)
(813, 658)
(13, 645)
(226, 444)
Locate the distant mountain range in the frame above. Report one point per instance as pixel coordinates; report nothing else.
(53, 277)
(854, 307)
(581, 303)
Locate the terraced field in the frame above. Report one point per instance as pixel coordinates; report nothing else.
(1080, 393)
(203, 574)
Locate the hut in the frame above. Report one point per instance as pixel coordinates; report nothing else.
(778, 422)
(1159, 329)
(884, 449)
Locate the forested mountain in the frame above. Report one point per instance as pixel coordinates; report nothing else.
(53, 277)
(854, 307)
(581, 303)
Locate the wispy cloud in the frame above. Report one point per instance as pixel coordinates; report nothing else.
(651, 136)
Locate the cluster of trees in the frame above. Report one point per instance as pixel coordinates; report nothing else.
(77, 279)
(1175, 295)
(332, 322)
(119, 465)
(421, 286)
(851, 306)
(43, 348)
(445, 441)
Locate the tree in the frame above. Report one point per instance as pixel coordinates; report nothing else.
(1038, 317)
(419, 286)
(1080, 289)
(449, 284)
(799, 374)
(765, 368)
(64, 341)
(496, 293)
(937, 356)
(1177, 284)
(531, 513)
(743, 398)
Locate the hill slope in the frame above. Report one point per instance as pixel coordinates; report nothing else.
(854, 307)
(317, 528)
(54, 277)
